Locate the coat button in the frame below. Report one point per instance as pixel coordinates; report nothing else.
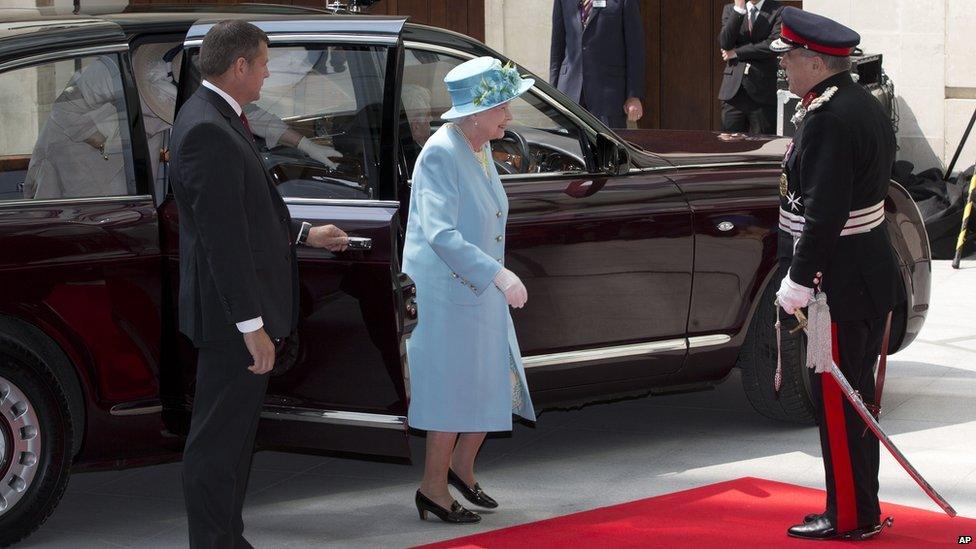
(498, 214)
(454, 275)
(498, 238)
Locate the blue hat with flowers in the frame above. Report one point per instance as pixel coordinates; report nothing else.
(480, 84)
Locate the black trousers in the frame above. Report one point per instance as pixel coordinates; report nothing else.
(744, 114)
(851, 457)
(217, 456)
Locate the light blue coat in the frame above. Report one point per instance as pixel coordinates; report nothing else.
(461, 378)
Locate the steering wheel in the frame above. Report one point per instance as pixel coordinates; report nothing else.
(523, 149)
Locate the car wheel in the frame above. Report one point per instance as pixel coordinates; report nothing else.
(757, 360)
(35, 442)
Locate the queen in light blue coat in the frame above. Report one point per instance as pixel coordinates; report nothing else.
(466, 375)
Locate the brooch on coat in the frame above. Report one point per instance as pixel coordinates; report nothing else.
(784, 182)
(801, 111)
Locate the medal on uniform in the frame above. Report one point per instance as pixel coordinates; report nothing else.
(784, 181)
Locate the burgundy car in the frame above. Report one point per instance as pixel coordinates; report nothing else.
(650, 256)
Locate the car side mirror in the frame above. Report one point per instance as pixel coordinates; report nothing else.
(610, 156)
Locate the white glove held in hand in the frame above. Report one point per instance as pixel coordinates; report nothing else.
(319, 153)
(791, 296)
(515, 293)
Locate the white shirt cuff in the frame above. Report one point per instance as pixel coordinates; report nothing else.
(739, 10)
(797, 286)
(249, 326)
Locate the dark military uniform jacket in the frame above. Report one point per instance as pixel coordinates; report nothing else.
(832, 191)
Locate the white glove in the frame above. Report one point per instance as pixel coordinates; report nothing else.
(515, 293)
(320, 153)
(791, 296)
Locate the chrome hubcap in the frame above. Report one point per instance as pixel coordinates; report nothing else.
(20, 444)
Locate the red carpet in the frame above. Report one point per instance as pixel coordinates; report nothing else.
(748, 512)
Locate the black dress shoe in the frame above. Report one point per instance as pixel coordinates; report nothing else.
(473, 494)
(457, 515)
(821, 528)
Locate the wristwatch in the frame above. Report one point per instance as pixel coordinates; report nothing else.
(303, 232)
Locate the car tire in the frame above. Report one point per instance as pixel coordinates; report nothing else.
(757, 361)
(35, 442)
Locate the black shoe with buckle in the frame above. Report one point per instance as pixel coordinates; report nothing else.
(821, 528)
(456, 515)
(474, 494)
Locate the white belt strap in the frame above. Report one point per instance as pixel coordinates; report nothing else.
(860, 221)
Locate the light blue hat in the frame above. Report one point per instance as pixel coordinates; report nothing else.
(480, 84)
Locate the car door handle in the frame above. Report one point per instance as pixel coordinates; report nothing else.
(360, 243)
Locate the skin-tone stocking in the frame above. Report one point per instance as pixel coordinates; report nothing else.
(440, 446)
(464, 455)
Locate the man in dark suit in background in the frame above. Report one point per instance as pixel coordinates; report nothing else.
(748, 91)
(597, 57)
(238, 275)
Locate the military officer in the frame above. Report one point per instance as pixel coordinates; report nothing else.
(834, 183)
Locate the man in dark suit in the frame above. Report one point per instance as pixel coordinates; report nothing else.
(597, 57)
(748, 91)
(832, 195)
(238, 275)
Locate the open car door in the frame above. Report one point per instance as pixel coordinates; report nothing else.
(325, 128)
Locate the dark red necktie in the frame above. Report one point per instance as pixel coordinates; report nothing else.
(247, 126)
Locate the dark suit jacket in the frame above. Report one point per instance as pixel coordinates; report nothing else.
(237, 260)
(602, 65)
(752, 51)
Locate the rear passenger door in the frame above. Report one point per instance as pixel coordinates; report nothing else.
(78, 227)
(324, 131)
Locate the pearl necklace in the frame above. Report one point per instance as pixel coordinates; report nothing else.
(479, 155)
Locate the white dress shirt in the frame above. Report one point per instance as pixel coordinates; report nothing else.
(757, 6)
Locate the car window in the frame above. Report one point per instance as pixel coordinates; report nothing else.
(320, 118)
(64, 131)
(553, 140)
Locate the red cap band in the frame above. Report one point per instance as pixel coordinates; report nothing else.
(788, 34)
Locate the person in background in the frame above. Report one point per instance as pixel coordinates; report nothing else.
(748, 91)
(597, 57)
(79, 151)
(416, 108)
(466, 374)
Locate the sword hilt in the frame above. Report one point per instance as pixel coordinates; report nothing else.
(801, 321)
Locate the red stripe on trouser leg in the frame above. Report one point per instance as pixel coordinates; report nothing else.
(840, 456)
